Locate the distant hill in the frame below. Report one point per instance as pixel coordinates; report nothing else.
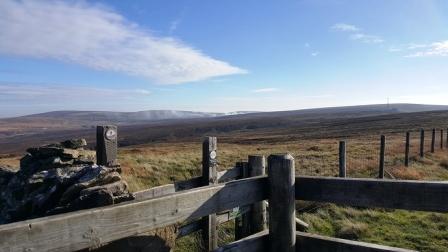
(360, 110)
(162, 125)
(122, 117)
(63, 120)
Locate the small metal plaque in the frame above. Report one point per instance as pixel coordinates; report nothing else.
(111, 134)
(213, 154)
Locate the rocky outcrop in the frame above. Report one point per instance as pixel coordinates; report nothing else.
(58, 178)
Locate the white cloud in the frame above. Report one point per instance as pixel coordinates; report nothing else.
(434, 49)
(345, 27)
(314, 54)
(265, 90)
(366, 38)
(413, 46)
(96, 37)
(62, 92)
(356, 34)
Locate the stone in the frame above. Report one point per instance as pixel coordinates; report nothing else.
(5, 175)
(58, 178)
(74, 143)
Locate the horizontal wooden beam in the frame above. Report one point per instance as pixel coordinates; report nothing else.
(168, 189)
(395, 194)
(229, 174)
(155, 192)
(222, 217)
(306, 242)
(188, 184)
(223, 176)
(253, 243)
(93, 227)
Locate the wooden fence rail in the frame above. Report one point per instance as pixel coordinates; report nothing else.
(307, 242)
(396, 194)
(93, 227)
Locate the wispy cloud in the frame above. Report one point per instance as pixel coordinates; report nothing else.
(20, 91)
(265, 90)
(366, 38)
(356, 33)
(96, 37)
(434, 49)
(312, 52)
(345, 27)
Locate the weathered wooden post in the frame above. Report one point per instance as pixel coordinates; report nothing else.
(382, 156)
(407, 148)
(210, 177)
(242, 222)
(447, 138)
(441, 139)
(422, 143)
(342, 159)
(106, 145)
(258, 222)
(433, 141)
(282, 213)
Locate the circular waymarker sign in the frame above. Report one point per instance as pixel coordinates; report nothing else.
(111, 134)
(213, 154)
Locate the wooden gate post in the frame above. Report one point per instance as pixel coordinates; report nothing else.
(433, 141)
(242, 222)
(342, 159)
(422, 143)
(106, 145)
(282, 213)
(382, 156)
(210, 177)
(407, 148)
(258, 222)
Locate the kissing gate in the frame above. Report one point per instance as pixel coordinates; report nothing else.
(200, 201)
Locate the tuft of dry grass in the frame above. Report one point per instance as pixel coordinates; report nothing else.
(347, 229)
(444, 163)
(407, 173)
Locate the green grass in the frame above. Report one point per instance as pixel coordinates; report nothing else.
(151, 165)
(406, 229)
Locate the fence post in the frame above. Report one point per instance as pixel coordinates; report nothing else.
(106, 145)
(447, 138)
(210, 177)
(257, 167)
(441, 139)
(282, 213)
(242, 224)
(407, 148)
(342, 159)
(433, 141)
(422, 143)
(382, 154)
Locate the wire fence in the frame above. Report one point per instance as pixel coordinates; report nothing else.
(363, 154)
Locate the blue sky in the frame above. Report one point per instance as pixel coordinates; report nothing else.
(220, 55)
